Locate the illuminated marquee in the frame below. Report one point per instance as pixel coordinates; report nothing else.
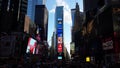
(107, 43)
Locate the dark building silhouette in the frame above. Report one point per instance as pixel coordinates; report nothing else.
(76, 35)
(103, 32)
(88, 4)
(76, 21)
(99, 29)
(105, 22)
(116, 26)
(77, 26)
(12, 15)
(41, 19)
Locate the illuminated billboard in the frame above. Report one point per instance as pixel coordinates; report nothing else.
(59, 31)
(59, 39)
(107, 43)
(59, 35)
(59, 57)
(59, 26)
(59, 19)
(59, 47)
(87, 59)
(31, 46)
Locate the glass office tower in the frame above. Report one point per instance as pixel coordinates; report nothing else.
(31, 7)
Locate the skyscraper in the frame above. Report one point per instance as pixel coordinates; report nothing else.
(59, 31)
(41, 19)
(12, 15)
(31, 7)
(76, 20)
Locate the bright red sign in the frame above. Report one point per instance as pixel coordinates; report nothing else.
(59, 47)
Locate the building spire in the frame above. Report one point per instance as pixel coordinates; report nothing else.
(77, 6)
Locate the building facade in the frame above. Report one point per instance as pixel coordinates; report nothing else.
(41, 19)
(88, 5)
(12, 15)
(116, 28)
(102, 31)
(29, 26)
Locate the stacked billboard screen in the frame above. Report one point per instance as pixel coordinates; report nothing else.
(59, 35)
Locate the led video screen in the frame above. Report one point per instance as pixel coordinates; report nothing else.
(31, 46)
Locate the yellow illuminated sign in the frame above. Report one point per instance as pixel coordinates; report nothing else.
(87, 59)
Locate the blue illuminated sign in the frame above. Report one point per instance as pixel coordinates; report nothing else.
(60, 35)
(59, 31)
(59, 26)
(59, 19)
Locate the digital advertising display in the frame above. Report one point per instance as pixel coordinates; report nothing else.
(59, 39)
(59, 26)
(59, 31)
(107, 43)
(60, 36)
(31, 46)
(60, 57)
(59, 19)
(60, 47)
